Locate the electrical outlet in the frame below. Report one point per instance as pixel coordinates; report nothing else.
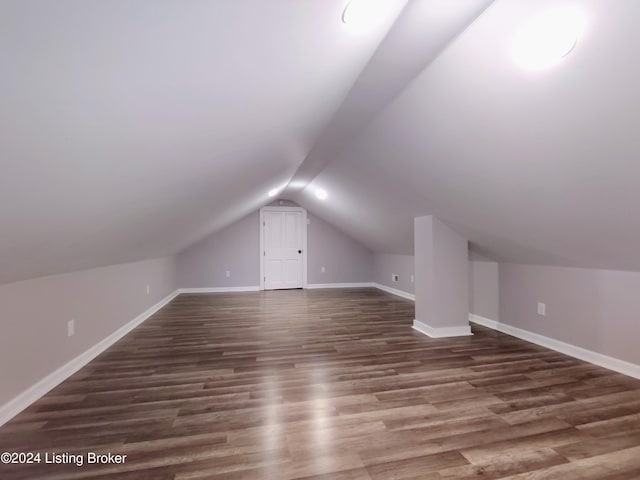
(323, 269)
(228, 273)
(148, 289)
(542, 309)
(71, 328)
(395, 277)
(411, 278)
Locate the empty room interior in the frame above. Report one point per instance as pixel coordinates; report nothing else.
(319, 239)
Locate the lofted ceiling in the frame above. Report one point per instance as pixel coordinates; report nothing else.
(531, 166)
(129, 130)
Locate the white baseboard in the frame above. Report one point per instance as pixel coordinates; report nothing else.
(340, 285)
(252, 288)
(394, 291)
(617, 365)
(485, 322)
(16, 405)
(441, 332)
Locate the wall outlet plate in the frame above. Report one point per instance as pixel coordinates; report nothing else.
(71, 328)
(228, 273)
(542, 309)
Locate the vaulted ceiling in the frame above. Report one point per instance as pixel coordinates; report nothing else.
(129, 130)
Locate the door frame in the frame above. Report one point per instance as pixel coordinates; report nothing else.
(304, 240)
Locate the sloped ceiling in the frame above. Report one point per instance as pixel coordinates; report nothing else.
(533, 167)
(129, 130)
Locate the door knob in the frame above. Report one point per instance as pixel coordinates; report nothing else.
(299, 251)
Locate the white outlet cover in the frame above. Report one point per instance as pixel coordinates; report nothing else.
(71, 328)
(323, 269)
(411, 278)
(542, 309)
(228, 273)
(148, 289)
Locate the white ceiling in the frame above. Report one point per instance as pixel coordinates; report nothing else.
(128, 130)
(533, 167)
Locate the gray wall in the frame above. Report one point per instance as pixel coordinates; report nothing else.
(483, 281)
(386, 264)
(35, 313)
(344, 259)
(423, 257)
(441, 274)
(236, 248)
(484, 289)
(593, 309)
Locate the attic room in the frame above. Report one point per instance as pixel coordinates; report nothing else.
(319, 239)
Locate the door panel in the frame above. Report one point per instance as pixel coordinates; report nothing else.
(274, 221)
(274, 270)
(283, 249)
(292, 223)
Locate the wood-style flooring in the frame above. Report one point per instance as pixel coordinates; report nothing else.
(328, 384)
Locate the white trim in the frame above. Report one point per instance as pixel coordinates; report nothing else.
(395, 291)
(14, 406)
(304, 248)
(253, 288)
(441, 332)
(304, 240)
(261, 252)
(485, 322)
(340, 285)
(384, 288)
(617, 365)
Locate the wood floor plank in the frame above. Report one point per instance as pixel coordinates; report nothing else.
(328, 384)
(503, 464)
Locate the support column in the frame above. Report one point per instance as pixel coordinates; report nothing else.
(441, 279)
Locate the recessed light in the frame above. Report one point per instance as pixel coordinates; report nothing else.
(347, 13)
(321, 193)
(273, 192)
(364, 14)
(547, 38)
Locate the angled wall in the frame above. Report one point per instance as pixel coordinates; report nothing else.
(34, 314)
(593, 309)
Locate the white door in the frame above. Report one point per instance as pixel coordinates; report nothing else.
(282, 249)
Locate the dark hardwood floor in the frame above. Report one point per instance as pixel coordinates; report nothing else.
(328, 384)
